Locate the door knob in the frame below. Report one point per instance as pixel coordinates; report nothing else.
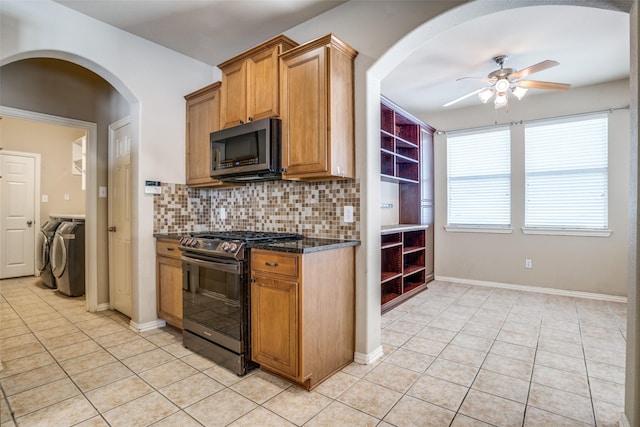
(112, 229)
(29, 223)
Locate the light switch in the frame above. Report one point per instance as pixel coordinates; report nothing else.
(66, 196)
(45, 198)
(102, 191)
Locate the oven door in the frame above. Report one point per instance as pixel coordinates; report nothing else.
(213, 300)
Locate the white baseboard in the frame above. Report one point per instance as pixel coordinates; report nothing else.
(158, 323)
(539, 289)
(624, 421)
(366, 359)
(103, 307)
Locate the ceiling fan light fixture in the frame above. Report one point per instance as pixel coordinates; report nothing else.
(502, 85)
(501, 100)
(485, 95)
(519, 92)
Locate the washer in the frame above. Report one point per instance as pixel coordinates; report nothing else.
(43, 251)
(67, 258)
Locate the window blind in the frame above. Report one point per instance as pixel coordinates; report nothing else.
(479, 178)
(566, 173)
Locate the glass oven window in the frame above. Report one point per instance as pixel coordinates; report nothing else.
(217, 302)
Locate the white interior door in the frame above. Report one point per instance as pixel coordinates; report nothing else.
(17, 215)
(120, 136)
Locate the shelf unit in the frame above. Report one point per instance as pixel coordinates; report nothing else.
(399, 145)
(403, 265)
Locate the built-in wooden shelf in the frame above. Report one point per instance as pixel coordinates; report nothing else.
(403, 265)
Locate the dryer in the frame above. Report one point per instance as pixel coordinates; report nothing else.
(67, 258)
(43, 250)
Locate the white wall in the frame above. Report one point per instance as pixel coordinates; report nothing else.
(576, 263)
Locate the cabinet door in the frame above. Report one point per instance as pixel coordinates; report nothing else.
(203, 117)
(262, 90)
(304, 113)
(274, 324)
(233, 107)
(169, 277)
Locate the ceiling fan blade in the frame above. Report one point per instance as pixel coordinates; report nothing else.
(463, 97)
(482, 79)
(535, 84)
(533, 69)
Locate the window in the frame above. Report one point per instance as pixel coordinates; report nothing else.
(479, 178)
(566, 174)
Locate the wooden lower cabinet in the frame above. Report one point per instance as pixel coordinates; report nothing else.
(169, 282)
(302, 313)
(275, 304)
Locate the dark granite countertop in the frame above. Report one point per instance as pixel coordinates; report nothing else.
(170, 236)
(306, 245)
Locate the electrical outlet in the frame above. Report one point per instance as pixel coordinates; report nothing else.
(223, 214)
(66, 196)
(528, 263)
(348, 214)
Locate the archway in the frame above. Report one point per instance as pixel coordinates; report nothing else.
(93, 97)
(368, 314)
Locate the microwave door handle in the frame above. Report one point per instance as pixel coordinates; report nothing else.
(228, 268)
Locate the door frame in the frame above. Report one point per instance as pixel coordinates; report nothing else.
(91, 203)
(36, 196)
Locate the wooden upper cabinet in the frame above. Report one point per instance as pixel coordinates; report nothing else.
(317, 110)
(203, 117)
(250, 83)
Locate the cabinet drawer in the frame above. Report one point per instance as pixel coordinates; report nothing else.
(168, 248)
(274, 263)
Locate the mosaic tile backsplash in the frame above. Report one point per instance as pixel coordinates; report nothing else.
(313, 209)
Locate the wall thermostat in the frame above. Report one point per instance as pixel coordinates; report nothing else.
(152, 187)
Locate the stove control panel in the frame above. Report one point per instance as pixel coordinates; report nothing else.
(226, 248)
(189, 242)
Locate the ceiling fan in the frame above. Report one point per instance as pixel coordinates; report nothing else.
(504, 80)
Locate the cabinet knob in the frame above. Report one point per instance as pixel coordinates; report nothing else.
(271, 264)
(283, 170)
(241, 122)
(250, 119)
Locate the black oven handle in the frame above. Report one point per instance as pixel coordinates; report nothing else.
(228, 268)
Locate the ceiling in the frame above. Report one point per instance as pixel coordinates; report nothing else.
(591, 45)
(210, 31)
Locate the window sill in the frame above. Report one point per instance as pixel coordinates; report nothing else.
(472, 229)
(566, 232)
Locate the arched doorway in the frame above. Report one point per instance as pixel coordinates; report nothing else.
(368, 320)
(73, 95)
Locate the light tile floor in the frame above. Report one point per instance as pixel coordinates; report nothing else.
(454, 355)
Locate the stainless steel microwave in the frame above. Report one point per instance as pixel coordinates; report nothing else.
(248, 152)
